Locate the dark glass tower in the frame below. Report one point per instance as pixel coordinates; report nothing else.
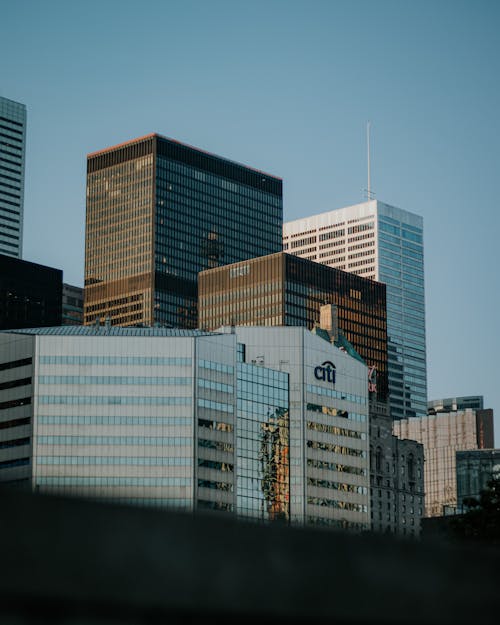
(285, 290)
(30, 294)
(159, 212)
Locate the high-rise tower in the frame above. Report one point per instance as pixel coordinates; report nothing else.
(158, 212)
(383, 243)
(12, 156)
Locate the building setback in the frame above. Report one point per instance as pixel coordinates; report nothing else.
(158, 212)
(442, 435)
(197, 420)
(30, 294)
(12, 164)
(383, 243)
(280, 289)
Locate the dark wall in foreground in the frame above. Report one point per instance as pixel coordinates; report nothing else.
(70, 561)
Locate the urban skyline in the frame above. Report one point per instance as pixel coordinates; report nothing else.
(434, 130)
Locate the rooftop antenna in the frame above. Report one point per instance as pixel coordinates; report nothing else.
(369, 192)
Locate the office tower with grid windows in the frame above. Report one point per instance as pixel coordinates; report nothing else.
(158, 212)
(283, 290)
(12, 157)
(383, 243)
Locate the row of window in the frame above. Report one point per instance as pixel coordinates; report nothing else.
(342, 486)
(16, 442)
(115, 440)
(336, 449)
(111, 379)
(113, 481)
(215, 405)
(218, 466)
(334, 466)
(215, 386)
(13, 364)
(329, 392)
(14, 423)
(336, 430)
(224, 486)
(115, 400)
(114, 360)
(339, 505)
(14, 383)
(216, 366)
(215, 425)
(14, 403)
(18, 462)
(111, 420)
(216, 445)
(162, 461)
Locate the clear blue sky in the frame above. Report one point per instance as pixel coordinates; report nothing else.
(286, 86)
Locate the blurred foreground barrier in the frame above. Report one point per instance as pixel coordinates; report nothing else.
(69, 561)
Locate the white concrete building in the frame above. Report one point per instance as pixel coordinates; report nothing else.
(329, 448)
(268, 423)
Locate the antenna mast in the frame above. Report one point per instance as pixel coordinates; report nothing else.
(369, 193)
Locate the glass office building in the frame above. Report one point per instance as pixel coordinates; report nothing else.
(383, 243)
(328, 425)
(12, 159)
(158, 212)
(241, 424)
(263, 476)
(283, 290)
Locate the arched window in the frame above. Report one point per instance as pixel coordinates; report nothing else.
(411, 467)
(378, 460)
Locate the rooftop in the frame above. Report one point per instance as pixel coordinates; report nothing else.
(104, 330)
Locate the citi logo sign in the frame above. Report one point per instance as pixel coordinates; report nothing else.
(325, 372)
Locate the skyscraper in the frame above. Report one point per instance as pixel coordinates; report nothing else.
(283, 290)
(158, 212)
(383, 243)
(12, 155)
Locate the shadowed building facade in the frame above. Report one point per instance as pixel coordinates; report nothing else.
(158, 212)
(443, 434)
(30, 294)
(285, 290)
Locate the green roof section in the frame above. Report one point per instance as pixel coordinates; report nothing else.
(341, 342)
